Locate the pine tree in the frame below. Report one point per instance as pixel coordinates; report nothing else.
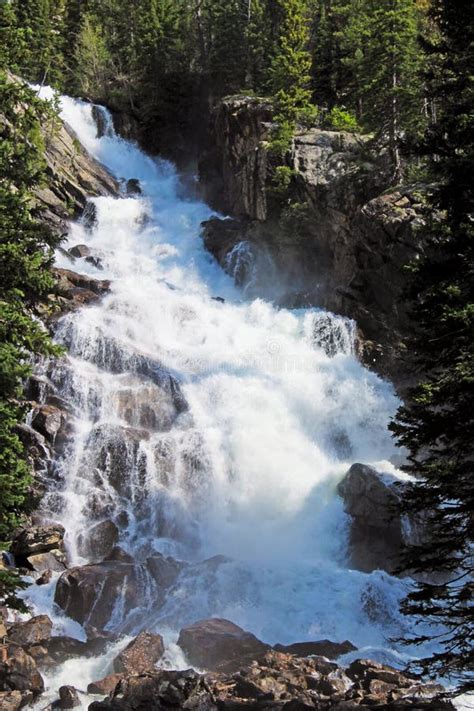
(437, 423)
(25, 255)
(388, 71)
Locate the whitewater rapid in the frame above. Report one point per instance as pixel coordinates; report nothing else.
(273, 423)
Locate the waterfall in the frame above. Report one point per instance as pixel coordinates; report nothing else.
(212, 431)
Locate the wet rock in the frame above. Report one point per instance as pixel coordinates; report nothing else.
(323, 648)
(372, 500)
(29, 541)
(149, 406)
(105, 686)
(218, 644)
(99, 540)
(53, 560)
(68, 697)
(48, 421)
(76, 289)
(221, 236)
(164, 570)
(37, 446)
(33, 631)
(90, 593)
(19, 672)
(80, 251)
(45, 578)
(100, 120)
(141, 655)
(133, 187)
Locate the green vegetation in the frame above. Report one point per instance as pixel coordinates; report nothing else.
(437, 423)
(25, 254)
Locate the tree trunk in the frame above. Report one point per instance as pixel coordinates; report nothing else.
(393, 131)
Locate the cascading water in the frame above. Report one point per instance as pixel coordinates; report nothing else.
(209, 430)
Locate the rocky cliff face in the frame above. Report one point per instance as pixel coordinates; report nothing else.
(344, 247)
(72, 176)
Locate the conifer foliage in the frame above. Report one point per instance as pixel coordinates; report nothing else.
(25, 255)
(437, 424)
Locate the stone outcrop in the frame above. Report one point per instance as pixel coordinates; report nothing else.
(277, 681)
(89, 593)
(37, 629)
(76, 290)
(372, 500)
(73, 176)
(217, 644)
(141, 655)
(344, 248)
(323, 648)
(37, 539)
(234, 171)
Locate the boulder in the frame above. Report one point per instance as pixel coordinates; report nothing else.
(37, 629)
(219, 645)
(99, 541)
(79, 251)
(133, 187)
(48, 420)
(19, 672)
(159, 690)
(45, 578)
(323, 648)
(82, 251)
(149, 406)
(12, 700)
(90, 593)
(68, 697)
(105, 686)
(140, 655)
(372, 500)
(75, 289)
(277, 681)
(31, 540)
(53, 560)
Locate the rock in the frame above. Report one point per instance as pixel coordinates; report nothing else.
(75, 289)
(133, 187)
(160, 690)
(105, 686)
(351, 236)
(79, 251)
(11, 700)
(140, 655)
(335, 683)
(29, 541)
(53, 560)
(73, 177)
(89, 593)
(82, 251)
(164, 570)
(100, 118)
(276, 681)
(372, 500)
(99, 541)
(45, 578)
(48, 421)
(37, 629)
(234, 170)
(323, 648)
(68, 697)
(150, 407)
(218, 644)
(19, 672)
